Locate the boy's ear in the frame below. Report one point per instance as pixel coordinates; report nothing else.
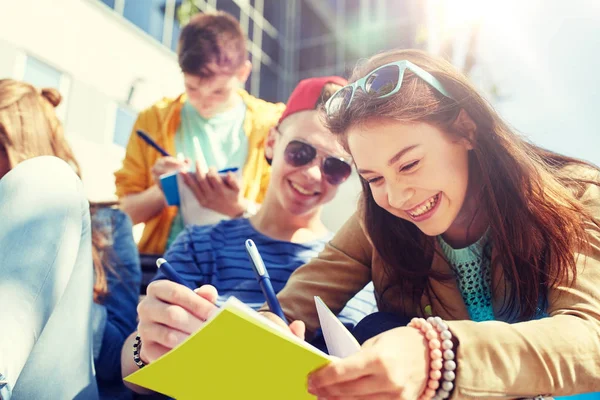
(244, 71)
(270, 144)
(465, 124)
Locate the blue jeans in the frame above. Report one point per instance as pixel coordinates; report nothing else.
(379, 322)
(46, 280)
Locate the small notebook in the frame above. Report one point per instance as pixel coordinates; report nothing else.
(239, 354)
(179, 194)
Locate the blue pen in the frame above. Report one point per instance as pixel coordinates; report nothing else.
(262, 275)
(151, 142)
(226, 170)
(170, 272)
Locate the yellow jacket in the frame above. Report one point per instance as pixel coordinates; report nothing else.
(558, 355)
(161, 121)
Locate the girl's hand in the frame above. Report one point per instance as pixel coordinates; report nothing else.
(392, 365)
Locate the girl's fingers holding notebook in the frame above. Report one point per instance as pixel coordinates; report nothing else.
(395, 362)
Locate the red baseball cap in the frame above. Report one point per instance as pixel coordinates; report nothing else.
(308, 94)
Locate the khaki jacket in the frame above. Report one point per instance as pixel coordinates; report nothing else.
(558, 355)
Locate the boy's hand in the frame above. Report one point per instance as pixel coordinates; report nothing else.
(169, 314)
(165, 165)
(296, 327)
(221, 194)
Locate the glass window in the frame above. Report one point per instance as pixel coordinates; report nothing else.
(230, 7)
(176, 26)
(124, 120)
(148, 15)
(268, 84)
(110, 3)
(247, 85)
(272, 12)
(311, 24)
(271, 47)
(41, 74)
(175, 37)
(315, 57)
(250, 29)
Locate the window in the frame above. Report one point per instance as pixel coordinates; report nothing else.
(311, 24)
(148, 15)
(124, 120)
(42, 75)
(268, 84)
(271, 47)
(273, 12)
(175, 36)
(231, 7)
(315, 57)
(110, 3)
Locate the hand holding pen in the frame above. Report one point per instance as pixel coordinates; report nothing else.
(171, 311)
(197, 151)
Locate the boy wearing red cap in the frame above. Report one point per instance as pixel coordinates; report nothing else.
(308, 165)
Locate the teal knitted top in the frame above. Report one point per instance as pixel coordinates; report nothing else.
(472, 270)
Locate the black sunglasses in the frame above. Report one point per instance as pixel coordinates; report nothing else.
(335, 169)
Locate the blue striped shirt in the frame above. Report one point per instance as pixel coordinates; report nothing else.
(216, 255)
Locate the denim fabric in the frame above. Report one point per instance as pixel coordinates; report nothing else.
(46, 280)
(116, 317)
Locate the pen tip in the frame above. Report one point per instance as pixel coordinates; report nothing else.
(160, 262)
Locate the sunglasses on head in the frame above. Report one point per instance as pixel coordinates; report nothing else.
(380, 83)
(298, 153)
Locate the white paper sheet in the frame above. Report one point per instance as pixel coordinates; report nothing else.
(340, 342)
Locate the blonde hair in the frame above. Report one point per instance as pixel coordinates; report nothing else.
(30, 128)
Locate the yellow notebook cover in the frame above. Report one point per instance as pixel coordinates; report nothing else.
(237, 354)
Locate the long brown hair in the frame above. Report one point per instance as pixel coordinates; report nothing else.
(536, 221)
(30, 128)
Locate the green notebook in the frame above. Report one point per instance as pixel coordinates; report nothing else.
(237, 354)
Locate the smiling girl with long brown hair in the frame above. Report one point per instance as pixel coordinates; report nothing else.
(488, 244)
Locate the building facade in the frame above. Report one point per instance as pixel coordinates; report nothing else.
(112, 58)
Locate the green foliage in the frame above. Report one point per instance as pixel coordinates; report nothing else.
(186, 11)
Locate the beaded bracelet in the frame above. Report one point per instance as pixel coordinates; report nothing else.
(442, 364)
(448, 373)
(137, 348)
(435, 354)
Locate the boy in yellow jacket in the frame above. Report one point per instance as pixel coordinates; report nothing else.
(230, 125)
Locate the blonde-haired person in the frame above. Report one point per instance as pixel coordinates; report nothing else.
(493, 239)
(45, 232)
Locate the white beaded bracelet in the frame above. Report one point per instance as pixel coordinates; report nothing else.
(449, 374)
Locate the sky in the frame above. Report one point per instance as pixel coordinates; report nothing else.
(544, 56)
